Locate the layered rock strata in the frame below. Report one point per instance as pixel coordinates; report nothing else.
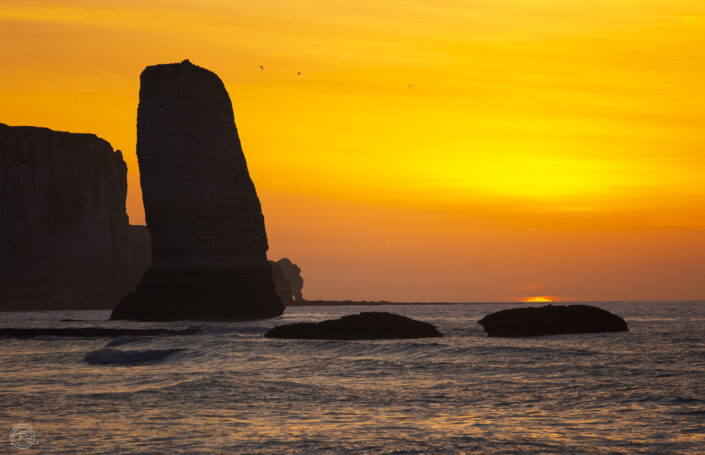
(205, 220)
(63, 224)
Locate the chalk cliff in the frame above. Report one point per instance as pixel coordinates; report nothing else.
(63, 224)
(207, 230)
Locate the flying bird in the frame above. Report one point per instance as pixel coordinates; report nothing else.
(261, 67)
(299, 73)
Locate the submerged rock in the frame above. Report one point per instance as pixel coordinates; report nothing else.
(551, 320)
(207, 230)
(363, 326)
(64, 231)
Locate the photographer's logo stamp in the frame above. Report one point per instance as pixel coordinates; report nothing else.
(22, 436)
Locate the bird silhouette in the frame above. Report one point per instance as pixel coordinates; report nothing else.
(299, 73)
(261, 67)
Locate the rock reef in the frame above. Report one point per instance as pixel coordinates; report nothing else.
(90, 332)
(205, 220)
(364, 326)
(551, 320)
(64, 233)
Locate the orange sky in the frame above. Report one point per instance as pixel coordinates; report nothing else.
(545, 147)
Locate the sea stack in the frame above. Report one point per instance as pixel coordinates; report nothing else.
(288, 283)
(64, 232)
(204, 217)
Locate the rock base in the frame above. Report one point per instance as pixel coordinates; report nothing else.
(202, 294)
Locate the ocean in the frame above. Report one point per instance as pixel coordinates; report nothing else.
(230, 390)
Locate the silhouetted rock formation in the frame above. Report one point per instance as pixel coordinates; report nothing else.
(207, 230)
(288, 282)
(551, 320)
(363, 326)
(63, 224)
(281, 284)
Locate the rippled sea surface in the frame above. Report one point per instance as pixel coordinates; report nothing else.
(230, 390)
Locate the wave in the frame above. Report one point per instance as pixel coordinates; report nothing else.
(532, 350)
(124, 340)
(220, 329)
(687, 400)
(115, 356)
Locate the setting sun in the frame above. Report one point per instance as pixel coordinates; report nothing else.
(537, 299)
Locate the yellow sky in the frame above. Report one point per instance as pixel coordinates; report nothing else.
(544, 147)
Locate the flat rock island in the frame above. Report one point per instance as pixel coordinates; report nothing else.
(551, 320)
(364, 326)
(206, 225)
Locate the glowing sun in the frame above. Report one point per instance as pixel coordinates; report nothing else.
(539, 299)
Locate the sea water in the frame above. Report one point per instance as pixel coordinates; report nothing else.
(230, 390)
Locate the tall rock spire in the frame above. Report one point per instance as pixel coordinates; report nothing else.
(208, 238)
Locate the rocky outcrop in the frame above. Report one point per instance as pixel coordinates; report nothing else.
(281, 284)
(363, 326)
(551, 320)
(63, 224)
(288, 283)
(207, 230)
(91, 332)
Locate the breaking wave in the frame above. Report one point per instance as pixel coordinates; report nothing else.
(124, 340)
